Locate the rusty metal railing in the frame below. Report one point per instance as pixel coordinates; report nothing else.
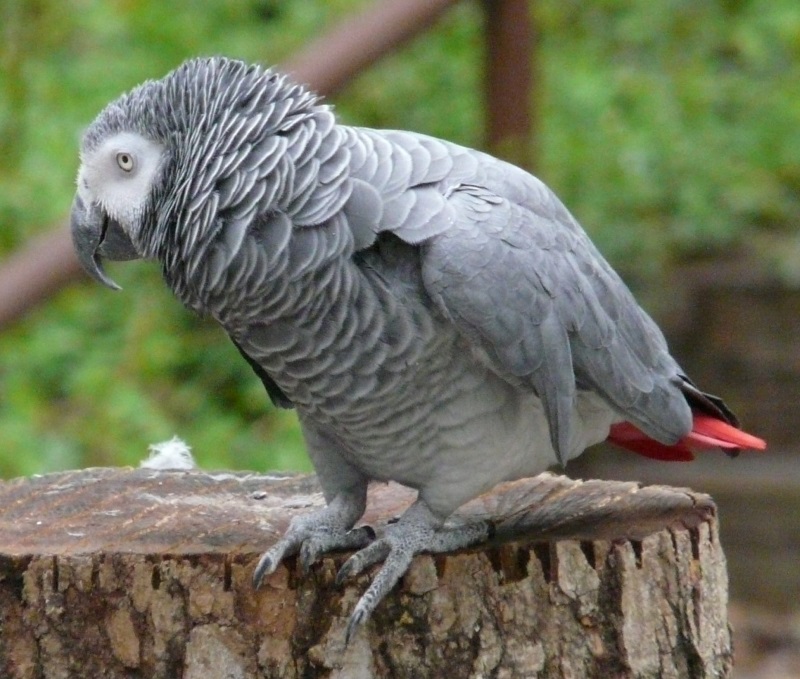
(47, 262)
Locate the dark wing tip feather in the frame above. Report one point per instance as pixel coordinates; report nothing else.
(706, 403)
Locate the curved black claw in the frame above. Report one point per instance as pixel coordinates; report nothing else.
(412, 535)
(369, 533)
(324, 530)
(310, 541)
(394, 567)
(373, 553)
(356, 620)
(289, 544)
(315, 546)
(264, 567)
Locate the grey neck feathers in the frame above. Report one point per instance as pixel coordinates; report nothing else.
(260, 159)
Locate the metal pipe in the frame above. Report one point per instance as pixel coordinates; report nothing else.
(39, 269)
(510, 45)
(335, 58)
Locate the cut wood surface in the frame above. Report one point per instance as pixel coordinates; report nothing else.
(758, 500)
(142, 573)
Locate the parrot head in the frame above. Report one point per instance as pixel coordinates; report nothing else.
(115, 183)
(178, 167)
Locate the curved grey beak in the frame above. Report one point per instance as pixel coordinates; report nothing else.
(94, 235)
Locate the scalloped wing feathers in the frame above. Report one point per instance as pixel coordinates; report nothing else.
(511, 268)
(265, 187)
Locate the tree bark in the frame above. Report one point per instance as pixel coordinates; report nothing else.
(142, 573)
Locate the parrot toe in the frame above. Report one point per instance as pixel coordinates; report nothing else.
(373, 553)
(322, 543)
(270, 559)
(410, 536)
(312, 535)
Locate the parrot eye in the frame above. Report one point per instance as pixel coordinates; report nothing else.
(125, 161)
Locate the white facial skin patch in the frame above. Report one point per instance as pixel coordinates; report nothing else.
(118, 176)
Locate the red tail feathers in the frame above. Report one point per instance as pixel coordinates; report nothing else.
(707, 432)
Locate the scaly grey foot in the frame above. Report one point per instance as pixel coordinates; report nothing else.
(312, 535)
(417, 531)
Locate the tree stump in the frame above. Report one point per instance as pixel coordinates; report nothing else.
(142, 573)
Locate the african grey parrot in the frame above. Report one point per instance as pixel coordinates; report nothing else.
(435, 315)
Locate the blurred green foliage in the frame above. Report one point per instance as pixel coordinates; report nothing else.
(671, 129)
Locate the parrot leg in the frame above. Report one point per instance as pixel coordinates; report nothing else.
(328, 529)
(418, 530)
